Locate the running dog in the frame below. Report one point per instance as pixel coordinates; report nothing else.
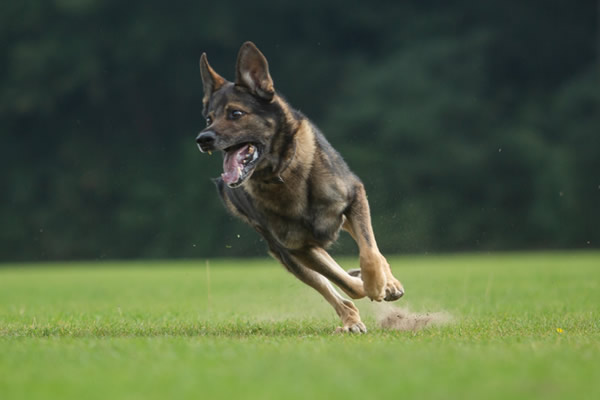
(282, 177)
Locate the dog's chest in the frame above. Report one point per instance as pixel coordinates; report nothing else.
(299, 217)
(296, 232)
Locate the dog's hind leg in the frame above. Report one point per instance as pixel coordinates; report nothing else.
(317, 259)
(379, 282)
(346, 310)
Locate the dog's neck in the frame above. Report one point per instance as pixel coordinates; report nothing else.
(284, 167)
(278, 186)
(294, 129)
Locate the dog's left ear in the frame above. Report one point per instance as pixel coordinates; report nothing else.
(252, 71)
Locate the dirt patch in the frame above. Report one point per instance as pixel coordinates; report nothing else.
(401, 319)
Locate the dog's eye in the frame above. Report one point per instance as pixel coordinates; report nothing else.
(208, 121)
(235, 114)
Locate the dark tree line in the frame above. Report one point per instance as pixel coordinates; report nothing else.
(474, 125)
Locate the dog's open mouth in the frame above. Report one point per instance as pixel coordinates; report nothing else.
(239, 163)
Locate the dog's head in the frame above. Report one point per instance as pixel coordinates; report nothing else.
(242, 117)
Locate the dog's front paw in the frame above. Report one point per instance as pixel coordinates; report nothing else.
(393, 290)
(374, 283)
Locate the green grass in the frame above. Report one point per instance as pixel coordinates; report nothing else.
(525, 326)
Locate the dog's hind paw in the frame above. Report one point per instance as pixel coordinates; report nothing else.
(354, 272)
(357, 327)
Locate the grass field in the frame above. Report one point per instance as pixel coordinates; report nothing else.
(525, 326)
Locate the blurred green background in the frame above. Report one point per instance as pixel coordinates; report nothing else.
(474, 125)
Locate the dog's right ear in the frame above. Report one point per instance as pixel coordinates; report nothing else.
(211, 81)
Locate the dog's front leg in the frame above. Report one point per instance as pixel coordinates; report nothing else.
(378, 280)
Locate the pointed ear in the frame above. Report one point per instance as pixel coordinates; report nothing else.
(211, 81)
(252, 71)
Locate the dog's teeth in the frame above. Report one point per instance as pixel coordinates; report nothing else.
(240, 170)
(250, 149)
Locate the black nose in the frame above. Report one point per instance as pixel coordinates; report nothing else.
(206, 140)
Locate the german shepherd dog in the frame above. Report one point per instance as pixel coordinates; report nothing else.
(281, 176)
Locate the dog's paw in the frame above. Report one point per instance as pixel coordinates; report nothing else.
(354, 272)
(393, 290)
(374, 283)
(356, 327)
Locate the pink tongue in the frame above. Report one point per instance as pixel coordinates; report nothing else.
(232, 164)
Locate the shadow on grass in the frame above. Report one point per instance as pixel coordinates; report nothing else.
(232, 329)
(238, 329)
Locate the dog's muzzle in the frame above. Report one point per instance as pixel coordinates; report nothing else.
(206, 141)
